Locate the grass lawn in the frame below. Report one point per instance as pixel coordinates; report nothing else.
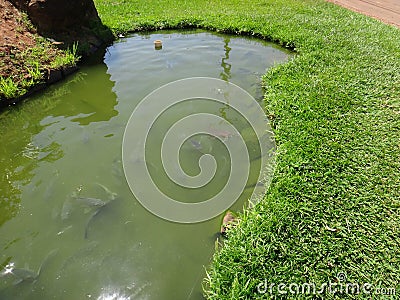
(28, 68)
(334, 203)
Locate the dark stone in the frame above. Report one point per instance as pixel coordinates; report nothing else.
(69, 70)
(37, 88)
(54, 76)
(228, 220)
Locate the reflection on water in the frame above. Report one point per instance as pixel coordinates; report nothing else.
(93, 100)
(226, 73)
(69, 225)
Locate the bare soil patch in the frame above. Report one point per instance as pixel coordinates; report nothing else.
(15, 38)
(26, 58)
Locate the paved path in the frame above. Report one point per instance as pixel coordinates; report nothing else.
(387, 11)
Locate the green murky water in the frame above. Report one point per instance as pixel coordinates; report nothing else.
(64, 146)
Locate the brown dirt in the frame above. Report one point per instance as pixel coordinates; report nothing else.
(13, 31)
(15, 37)
(387, 11)
(21, 48)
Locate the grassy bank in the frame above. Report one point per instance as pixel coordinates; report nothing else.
(25, 56)
(29, 67)
(333, 205)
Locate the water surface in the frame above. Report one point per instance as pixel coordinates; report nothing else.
(64, 146)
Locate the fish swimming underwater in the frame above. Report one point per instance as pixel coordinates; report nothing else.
(202, 144)
(94, 214)
(93, 202)
(196, 144)
(24, 274)
(98, 204)
(92, 205)
(111, 195)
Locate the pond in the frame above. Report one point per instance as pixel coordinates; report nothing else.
(70, 226)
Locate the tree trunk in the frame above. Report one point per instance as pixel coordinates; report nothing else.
(67, 20)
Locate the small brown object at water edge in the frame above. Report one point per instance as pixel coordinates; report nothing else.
(228, 221)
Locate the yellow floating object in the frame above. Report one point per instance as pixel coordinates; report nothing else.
(158, 44)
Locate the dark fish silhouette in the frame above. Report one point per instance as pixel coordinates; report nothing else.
(94, 214)
(196, 144)
(94, 202)
(100, 204)
(26, 275)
